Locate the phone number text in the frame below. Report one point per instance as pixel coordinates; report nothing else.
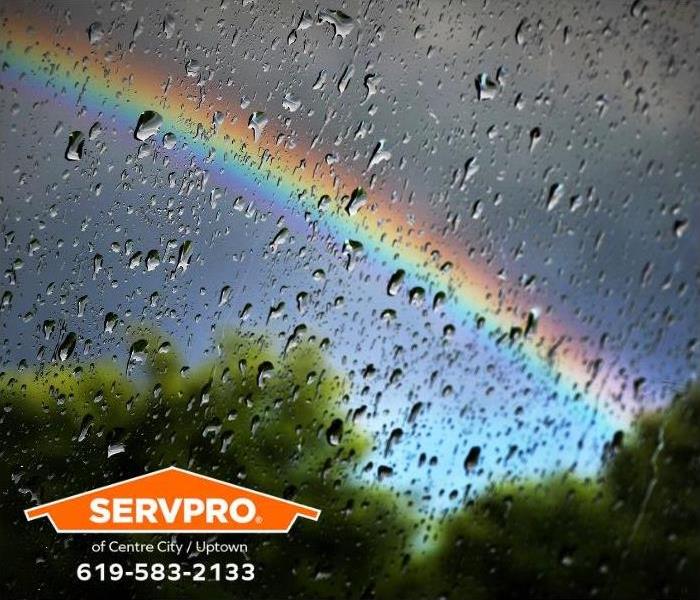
(166, 572)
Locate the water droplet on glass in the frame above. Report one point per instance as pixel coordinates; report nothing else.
(354, 251)
(680, 227)
(345, 78)
(486, 88)
(169, 141)
(305, 21)
(152, 260)
(416, 296)
(342, 23)
(415, 412)
(334, 433)
(394, 438)
(193, 67)
(76, 143)
(6, 300)
(358, 199)
(291, 102)
(137, 352)
(95, 32)
(85, 426)
(556, 193)
(519, 32)
(67, 346)
(245, 312)
(48, 328)
(144, 151)
(110, 322)
(264, 373)
(82, 302)
(280, 238)
(95, 130)
(184, 255)
(135, 260)
(388, 315)
(217, 118)
(532, 319)
(439, 300)
(320, 80)
(148, 125)
(395, 283)
(257, 123)
(115, 448)
(384, 472)
(379, 155)
(472, 458)
(224, 295)
(169, 26)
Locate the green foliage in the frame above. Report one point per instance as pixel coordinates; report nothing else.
(248, 416)
(635, 533)
(261, 419)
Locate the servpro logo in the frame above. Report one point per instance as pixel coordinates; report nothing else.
(172, 500)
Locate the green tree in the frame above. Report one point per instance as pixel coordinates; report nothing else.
(634, 533)
(272, 422)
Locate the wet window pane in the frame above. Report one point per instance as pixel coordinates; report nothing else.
(429, 267)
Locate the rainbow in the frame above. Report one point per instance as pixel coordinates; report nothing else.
(61, 66)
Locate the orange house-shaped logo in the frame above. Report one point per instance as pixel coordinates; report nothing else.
(172, 500)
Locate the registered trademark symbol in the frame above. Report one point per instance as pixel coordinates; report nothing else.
(258, 519)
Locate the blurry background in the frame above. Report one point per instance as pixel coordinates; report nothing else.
(534, 165)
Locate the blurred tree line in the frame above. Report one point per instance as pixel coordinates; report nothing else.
(280, 423)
